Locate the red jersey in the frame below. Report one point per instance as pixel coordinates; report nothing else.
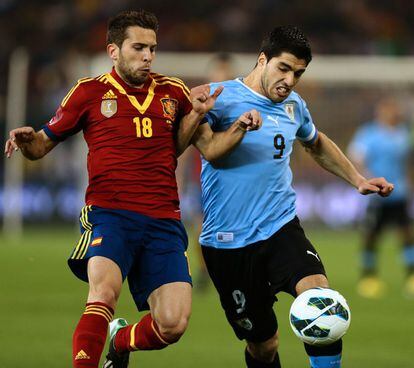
(130, 136)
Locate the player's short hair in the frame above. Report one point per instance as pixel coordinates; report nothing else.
(289, 39)
(118, 24)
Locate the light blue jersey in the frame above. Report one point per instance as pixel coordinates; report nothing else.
(385, 152)
(247, 196)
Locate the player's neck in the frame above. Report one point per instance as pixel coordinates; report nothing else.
(253, 82)
(128, 83)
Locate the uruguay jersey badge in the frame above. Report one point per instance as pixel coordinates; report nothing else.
(290, 110)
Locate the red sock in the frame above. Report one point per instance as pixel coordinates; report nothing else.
(90, 335)
(144, 335)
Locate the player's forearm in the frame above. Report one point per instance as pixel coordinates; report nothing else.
(328, 155)
(186, 130)
(35, 149)
(222, 143)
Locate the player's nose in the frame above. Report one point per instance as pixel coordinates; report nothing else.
(290, 79)
(147, 55)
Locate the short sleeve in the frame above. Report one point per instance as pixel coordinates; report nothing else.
(307, 132)
(213, 117)
(185, 105)
(68, 119)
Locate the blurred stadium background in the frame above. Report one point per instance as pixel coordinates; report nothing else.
(363, 50)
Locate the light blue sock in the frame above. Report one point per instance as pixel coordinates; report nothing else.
(369, 260)
(333, 361)
(408, 255)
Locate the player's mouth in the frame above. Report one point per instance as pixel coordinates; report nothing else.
(282, 91)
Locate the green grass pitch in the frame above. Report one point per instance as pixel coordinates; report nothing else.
(40, 303)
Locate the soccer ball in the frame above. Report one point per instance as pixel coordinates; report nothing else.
(320, 316)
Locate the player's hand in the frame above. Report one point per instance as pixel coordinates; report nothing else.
(250, 120)
(376, 185)
(201, 99)
(18, 137)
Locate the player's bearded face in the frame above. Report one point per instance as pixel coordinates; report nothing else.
(280, 75)
(136, 55)
(131, 74)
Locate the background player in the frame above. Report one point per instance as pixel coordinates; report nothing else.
(134, 123)
(383, 147)
(252, 241)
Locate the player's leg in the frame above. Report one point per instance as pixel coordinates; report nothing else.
(407, 240)
(170, 307)
(101, 258)
(160, 281)
(296, 267)
(369, 284)
(105, 282)
(263, 354)
(328, 356)
(240, 279)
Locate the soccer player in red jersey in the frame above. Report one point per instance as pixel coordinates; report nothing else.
(135, 122)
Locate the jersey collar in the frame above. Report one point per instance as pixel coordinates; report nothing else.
(127, 87)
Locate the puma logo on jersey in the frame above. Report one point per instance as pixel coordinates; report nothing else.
(275, 120)
(313, 254)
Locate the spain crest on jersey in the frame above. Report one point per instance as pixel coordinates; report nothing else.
(290, 110)
(170, 107)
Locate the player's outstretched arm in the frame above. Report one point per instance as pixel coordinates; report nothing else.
(214, 145)
(202, 102)
(328, 155)
(33, 145)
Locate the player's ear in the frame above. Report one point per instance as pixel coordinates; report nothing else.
(113, 51)
(262, 60)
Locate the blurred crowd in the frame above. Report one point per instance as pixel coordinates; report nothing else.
(61, 36)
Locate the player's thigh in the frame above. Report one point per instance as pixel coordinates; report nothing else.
(162, 260)
(170, 304)
(292, 258)
(105, 280)
(239, 278)
(103, 235)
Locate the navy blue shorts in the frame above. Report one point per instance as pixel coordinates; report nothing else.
(150, 252)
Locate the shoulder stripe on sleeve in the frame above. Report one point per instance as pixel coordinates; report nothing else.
(162, 78)
(70, 93)
(185, 91)
(311, 136)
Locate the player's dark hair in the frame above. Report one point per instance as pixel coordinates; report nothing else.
(289, 39)
(118, 25)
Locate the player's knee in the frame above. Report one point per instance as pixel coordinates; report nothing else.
(265, 351)
(172, 327)
(103, 294)
(311, 281)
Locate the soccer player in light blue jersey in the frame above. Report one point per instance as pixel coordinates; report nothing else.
(383, 147)
(252, 241)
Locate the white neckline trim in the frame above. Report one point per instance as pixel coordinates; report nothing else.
(255, 93)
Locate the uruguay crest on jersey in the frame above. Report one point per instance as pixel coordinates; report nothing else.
(290, 110)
